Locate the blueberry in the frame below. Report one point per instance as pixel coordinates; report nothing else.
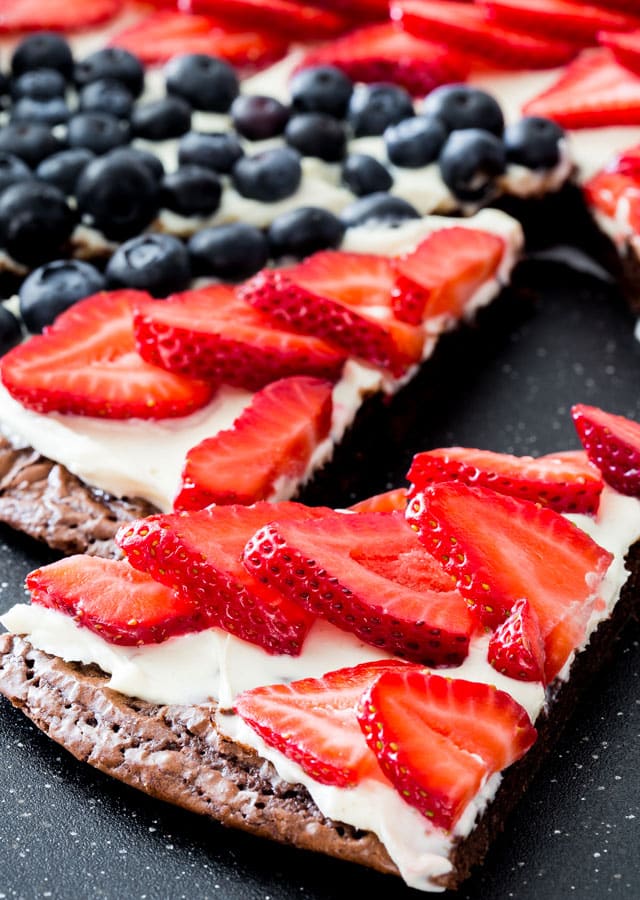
(40, 84)
(149, 160)
(533, 142)
(205, 82)
(35, 221)
(54, 287)
(107, 95)
(43, 50)
(469, 162)
(324, 89)
(10, 333)
(5, 85)
(258, 118)
(63, 169)
(13, 170)
(157, 263)
(98, 132)
(415, 142)
(46, 112)
(119, 195)
(305, 230)
(229, 252)
(382, 208)
(268, 176)
(160, 120)
(317, 134)
(31, 141)
(460, 106)
(363, 175)
(111, 62)
(373, 107)
(191, 191)
(218, 151)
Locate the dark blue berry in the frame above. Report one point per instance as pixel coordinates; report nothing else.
(383, 208)
(160, 120)
(149, 160)
(5, 85)
(40, 84)
(533, 142)
(63, 169)
(258, 118)
(13, 170)
(303, 231)
(31, 141)
(460, 106)
(98, 132)
(229, 252)
(10, 333)
(157, 263)
(470, 161)
(364, 175)
(119, 195)
(43, 50)
(111, 62)
(373, 107)
(324, 89)
(35, 221)
(191, 191)
(317, 134)
(268, 176)
(46, 112)
(415, 142)
(54, 287)
(205, 82)
(107, 95)
(218, 151)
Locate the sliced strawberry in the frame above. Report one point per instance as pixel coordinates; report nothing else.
(120, 604)
(565, 484)
(162, 35)
(295, 19)
(273, 439)
(211, 334)
(313, 722)
(625, 48)
(355, 279)
(362, 10)
(390, 501)
(200, 554)
(386, 343)
(502, 549)
(469, 29)
(593, 91)
(366, 574)
(55, 15)
(388, 53)
(612, 444)
(516, 648)
(86, 364)
(571, 21)
(448, 266)
(438, 739)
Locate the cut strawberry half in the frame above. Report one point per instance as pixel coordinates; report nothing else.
(385, 343)
(390, 501)
(618, 182)
(448, 268)
(566, 484)
(501, 549)
(516, 648)
(86, 364)
(355, 279)
(593, 91)
(367, 574)
(200, 554)
(388, 53)
(313, 722)
(272, 440)
(300, 21)
(625, 48)
(56, 15)
(439, 739)
(160, 36)
(110, 597)
(576, 22)
(211, 334)
(469, 29)
(612, 444)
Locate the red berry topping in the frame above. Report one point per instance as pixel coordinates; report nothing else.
(564, 19)
(56, 15)
(516, 648)
(612, 444)
(625, 48)
(390, 501)
(296, 20)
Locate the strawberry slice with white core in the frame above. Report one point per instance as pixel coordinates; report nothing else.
(367, 574)
(448, 268)
(211, 334)
(297, 20)
(572, 21)
(313, 722)
(625, 48)
(612, 444)
(439, 739)
(566, 483)
(56, 15)
(114, 600)
(516, 648)
(501, 549)
(389, 501)
(200, 554)
(86, 364)
(355, 279)
(274, 438)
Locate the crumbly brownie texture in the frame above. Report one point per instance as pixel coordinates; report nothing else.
(175, 753)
